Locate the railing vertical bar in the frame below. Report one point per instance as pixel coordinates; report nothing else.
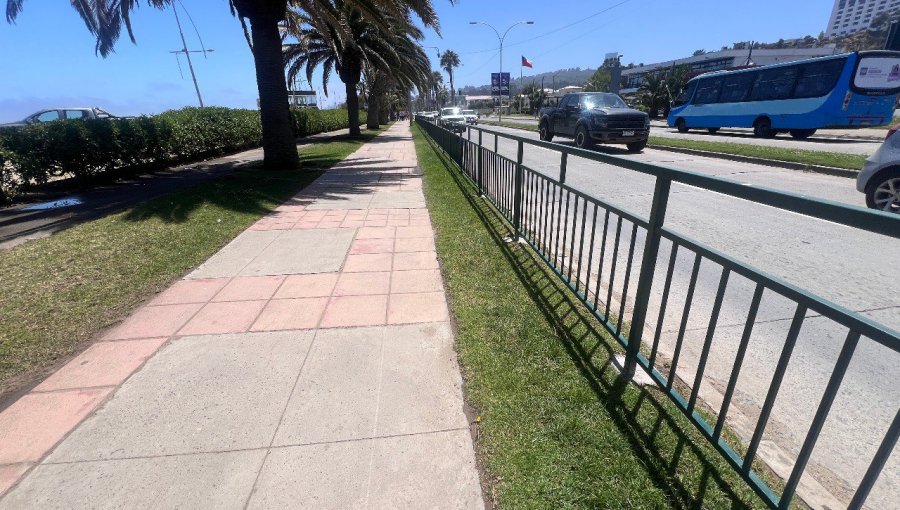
(738, 360)
(548, 207)
(572, 244)
(881, 457)
(710, 333)
(628, 266)
(831, 389)
(563, 163)
(612, 269)
(517, 192)
(664, 303)
(565, 231)
(557, 233)
(480, 165)
(587, 277)
(602, 257)
(688, 301)
(581, 247)
(777, 378)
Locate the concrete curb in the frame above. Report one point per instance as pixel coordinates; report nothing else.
(827, 170)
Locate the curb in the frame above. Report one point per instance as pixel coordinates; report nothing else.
(806, 167)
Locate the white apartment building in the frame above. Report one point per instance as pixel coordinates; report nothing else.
(850, 16)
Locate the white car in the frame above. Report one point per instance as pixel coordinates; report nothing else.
(879, 178)
(471, 116)
(453, 119)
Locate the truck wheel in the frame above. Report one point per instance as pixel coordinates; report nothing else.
(681, 125)
(762, 128)
(802, 134)
(583, 138)
(544, 131)
(636, 146)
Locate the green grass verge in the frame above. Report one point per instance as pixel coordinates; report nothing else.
(57, 293)
(832, 159)
(558, 428)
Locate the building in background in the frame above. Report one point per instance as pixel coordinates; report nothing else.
(633, 78)
(851, 16)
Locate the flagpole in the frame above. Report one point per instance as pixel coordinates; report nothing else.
(521, 81)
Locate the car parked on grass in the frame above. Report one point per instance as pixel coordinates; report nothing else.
(595, 117)
(55, 114)
(453, 119)
(879, 178)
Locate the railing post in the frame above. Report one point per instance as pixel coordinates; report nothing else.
(563, 163)
(480, 165)
(517, 197)
(648, 268)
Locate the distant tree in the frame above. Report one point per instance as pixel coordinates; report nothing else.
(536, 96)
(697, 53)
(599, 81)
(449, 62)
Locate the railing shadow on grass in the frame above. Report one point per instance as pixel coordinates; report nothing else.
(644, 420)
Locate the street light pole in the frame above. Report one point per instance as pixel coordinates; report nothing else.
(434, 91)
(188, 55)
(501, 38)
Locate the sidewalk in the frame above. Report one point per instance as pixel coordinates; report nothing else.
(308, 364)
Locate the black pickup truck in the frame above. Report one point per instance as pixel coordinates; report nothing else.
(595, 117)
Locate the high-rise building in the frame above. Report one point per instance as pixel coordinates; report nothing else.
(850, 16)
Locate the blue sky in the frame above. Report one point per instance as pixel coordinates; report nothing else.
(48, 56)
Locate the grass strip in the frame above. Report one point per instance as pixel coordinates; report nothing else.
(557, 428)
(58, 293)
(830, 159)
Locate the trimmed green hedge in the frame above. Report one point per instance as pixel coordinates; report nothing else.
(83, 149)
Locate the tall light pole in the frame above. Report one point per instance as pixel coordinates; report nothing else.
(501, 38)
(187, 53)
(438, 50)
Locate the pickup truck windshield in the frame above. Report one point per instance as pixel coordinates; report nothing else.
(602, 100)
(450, 111)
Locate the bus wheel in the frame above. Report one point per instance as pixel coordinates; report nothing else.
(712, 131)
(802, 134)
(681, 125)
(762, 128)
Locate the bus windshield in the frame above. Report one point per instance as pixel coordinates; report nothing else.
(881, 73)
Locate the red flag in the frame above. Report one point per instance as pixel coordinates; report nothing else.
(526, 62)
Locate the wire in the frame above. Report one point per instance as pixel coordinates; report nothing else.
(195, 27)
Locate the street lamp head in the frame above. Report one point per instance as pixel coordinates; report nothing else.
(529, 22)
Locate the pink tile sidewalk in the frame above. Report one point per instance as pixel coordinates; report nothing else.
(389, 276)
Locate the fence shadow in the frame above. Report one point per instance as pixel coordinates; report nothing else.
(677, 460)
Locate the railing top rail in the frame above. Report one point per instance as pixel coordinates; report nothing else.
(851, 216)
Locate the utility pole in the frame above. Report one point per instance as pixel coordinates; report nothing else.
(187, 54)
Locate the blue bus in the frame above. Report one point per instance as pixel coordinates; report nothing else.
(850, 90)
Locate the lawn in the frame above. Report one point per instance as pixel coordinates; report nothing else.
(57, 294)
(557, 427)
(830, 159)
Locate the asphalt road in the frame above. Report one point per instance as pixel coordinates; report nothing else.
(843, 141)
(853, 269)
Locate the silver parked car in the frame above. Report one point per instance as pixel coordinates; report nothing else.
(55, 114)
(879, 178)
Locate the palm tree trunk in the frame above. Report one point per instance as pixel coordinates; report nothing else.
(279, 143)
(352, 108)
(452, 90)
(373, 118)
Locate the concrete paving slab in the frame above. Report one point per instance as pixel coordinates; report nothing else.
(198, 394)
(404, 199)
(425, 471)
(235, 255)
(332, 475)
(10, 474)
(102, 364)
(303, 252)
(220, 480)
(341, 201)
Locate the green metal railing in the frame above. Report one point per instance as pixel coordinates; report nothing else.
(563, 225)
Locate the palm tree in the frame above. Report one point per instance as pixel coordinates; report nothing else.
(105, 19)
(449, 62)
(436, 83)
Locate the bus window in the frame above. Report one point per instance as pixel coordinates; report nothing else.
(819, 78)
(708, 91)
(736, 87)
(775, 83)
(877, 75)
(686, 94)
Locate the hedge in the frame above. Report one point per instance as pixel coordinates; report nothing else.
(83, 149)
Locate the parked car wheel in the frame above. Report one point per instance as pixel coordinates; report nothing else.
(545, 133)
(681, 125)
(802, 134)
(712, 131)
(762, 128)
(583, 138)
(636, 146)
(883, 192)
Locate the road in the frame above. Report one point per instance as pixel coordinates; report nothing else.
(853, 269)
(823, 141)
